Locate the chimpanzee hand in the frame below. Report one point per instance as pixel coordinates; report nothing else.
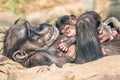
(66, 43)
(63, 46)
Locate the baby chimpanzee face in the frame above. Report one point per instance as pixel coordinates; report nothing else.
(69, 30)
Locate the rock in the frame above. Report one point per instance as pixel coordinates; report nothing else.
(50, 15)
(6, 68)
(3, 76)
(8, 18)
(107, 68)
(6, 21)
(108, 8)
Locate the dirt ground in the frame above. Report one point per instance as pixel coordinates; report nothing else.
(107, 68)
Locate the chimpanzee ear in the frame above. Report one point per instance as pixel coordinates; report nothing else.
(20, 56)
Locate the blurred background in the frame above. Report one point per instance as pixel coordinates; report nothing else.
(47, 11)
(39, 11)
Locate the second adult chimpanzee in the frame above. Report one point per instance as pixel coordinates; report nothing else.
(32, 46)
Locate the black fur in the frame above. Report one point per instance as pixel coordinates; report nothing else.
(15, 37)
(34, 46)
(87, 42)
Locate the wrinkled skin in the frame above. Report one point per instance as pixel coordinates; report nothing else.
(32, 46)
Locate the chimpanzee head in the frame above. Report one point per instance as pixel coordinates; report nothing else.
(65, 20)
(41, 37)
(21, 39)
(15, 37)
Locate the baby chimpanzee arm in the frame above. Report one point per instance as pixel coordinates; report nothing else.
(70, 41)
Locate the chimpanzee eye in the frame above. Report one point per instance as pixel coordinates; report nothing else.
(41, 28)
(38, 29)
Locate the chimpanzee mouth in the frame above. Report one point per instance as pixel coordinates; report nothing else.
(52, 36)
(47, 38)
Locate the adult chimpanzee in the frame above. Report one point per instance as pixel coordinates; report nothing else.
(88, 48)
(34, 46)
(87, 42)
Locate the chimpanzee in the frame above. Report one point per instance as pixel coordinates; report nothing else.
(88, 47)
(33, 46)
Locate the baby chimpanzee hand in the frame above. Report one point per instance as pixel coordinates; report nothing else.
(63, 46)
(66, 43)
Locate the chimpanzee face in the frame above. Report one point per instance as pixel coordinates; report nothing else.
(40, 37)
(25, 37)
(44, 34)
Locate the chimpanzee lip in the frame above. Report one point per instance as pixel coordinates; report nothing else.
(54, 37)
(51, 38)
